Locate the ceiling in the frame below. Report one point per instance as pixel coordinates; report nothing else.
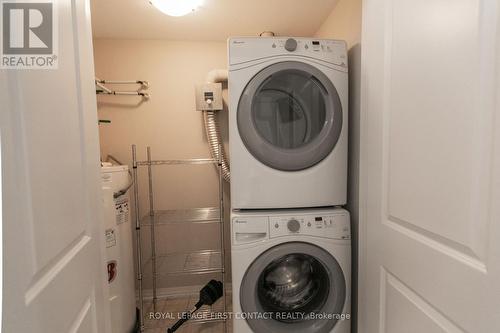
(215, 20)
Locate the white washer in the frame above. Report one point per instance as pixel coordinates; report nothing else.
(288, 265)
(287, 122)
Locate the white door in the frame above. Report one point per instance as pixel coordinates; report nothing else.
(54, 276)
(430, 178)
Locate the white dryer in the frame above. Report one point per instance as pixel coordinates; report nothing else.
(291, 271)
(287, 122)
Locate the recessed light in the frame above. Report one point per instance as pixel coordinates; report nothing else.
(176, 7)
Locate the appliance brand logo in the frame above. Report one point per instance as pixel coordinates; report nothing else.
(29, 38)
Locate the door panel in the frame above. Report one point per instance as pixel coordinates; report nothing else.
(415, 315)
(437, 144)
(54, 273)
(430, 172)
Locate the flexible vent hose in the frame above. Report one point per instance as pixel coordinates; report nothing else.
(215, 142)
(212, 127)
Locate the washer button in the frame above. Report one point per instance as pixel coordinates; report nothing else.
(293, 225)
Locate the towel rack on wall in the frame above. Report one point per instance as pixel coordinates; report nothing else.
(101, 89)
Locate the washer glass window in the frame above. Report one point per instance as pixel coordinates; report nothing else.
(295, 283)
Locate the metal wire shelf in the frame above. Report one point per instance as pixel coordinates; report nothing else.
(196, 262)
(192, 215)
(192, 161)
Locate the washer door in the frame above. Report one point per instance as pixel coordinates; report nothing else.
(290, 282)
(290, 116)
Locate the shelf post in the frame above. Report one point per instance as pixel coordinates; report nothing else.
(138, 237)
(152, 230)
(222, 234)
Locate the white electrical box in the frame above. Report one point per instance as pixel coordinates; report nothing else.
(209, 97)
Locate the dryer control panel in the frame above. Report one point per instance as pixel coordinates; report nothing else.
(327, 226)
(244, 49)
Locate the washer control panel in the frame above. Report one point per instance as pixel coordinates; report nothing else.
(327, 226)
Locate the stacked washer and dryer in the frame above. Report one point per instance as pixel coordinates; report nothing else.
(290, 240)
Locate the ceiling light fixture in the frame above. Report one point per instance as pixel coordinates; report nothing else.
(176, 7)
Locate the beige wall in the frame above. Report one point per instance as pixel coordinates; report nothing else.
(169, 124)
(344, 22)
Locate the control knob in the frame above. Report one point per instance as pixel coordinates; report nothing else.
(293, 225)
(290, 44)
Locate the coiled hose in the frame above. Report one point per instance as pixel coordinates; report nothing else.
(215, 142)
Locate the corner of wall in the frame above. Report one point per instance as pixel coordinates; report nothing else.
(344, 22)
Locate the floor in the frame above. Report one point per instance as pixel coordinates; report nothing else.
(172, 307)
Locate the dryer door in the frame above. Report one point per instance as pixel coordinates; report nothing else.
(295, 287)
(290, 116)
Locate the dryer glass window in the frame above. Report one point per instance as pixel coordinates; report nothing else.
(294, 284)
(289, 109)
(290, 116)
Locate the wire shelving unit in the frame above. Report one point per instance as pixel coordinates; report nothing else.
(177, 263)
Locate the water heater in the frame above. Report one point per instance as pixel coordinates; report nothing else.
(119, 255)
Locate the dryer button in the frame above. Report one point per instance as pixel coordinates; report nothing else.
(290, 44)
